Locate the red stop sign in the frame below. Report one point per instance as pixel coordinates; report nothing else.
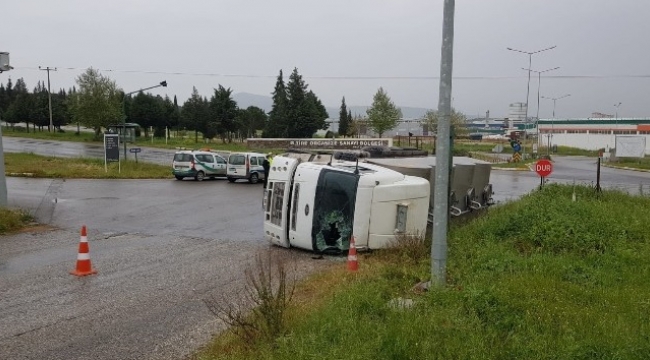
(544, 168)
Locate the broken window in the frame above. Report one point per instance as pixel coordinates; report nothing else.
(336, 194)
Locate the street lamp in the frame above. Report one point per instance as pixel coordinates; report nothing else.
(553, 121)
(539, 84)
(616, 113)
(162, 83)
(530, 62)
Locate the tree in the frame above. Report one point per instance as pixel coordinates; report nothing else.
(349, 132)
(20, 107)
(458, 122)
(40, 111)
(195, 114)
(147, 111)
(276, 125)
(358, 126)
(383, 114)
(223, 112)
(250, 120)
(306, 113)
(344, 120)
(97, 103)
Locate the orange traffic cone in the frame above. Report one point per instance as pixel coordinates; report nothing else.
(353, 265)
(84, 267)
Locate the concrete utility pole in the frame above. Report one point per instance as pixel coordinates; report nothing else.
(49, 95)
(443, 151)
(4, 66)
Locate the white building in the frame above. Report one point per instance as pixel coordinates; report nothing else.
(592, 133)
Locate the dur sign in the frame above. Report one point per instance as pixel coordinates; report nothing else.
(544, 168)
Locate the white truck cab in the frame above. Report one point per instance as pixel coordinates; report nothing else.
(317, 206)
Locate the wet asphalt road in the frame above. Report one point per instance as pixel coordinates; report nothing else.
(163, 248)
(164, 251)
(72, 149)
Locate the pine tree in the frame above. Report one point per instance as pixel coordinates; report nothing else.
(276, 125)
(350, 120)
(297, 109)
(343, 119)
(383, 114)
(306, 112)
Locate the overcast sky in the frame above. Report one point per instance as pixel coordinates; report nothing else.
(346, 48)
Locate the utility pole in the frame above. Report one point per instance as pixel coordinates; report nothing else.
(49, 95)
(4, 66)
(443, 151)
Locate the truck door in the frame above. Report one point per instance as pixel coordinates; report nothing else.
(277, 199)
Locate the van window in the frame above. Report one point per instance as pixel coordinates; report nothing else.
(220, 160)
(237, 159)
(253, 161)
(205, 158)
(183, 157)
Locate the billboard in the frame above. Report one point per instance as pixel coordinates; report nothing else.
(630, 146)
(4, 62)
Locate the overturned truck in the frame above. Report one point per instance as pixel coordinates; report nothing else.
(317, 201)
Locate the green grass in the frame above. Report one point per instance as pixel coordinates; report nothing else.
(540, 278)
(19, 131)
(12, 220)
(21, 164)
(641, 163)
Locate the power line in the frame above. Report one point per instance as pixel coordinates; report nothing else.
(343, 77)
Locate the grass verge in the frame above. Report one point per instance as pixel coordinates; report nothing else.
(541, 278)
(641, 163)
(22, 164)
(12, 220)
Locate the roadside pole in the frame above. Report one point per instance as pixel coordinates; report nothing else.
(443, 151)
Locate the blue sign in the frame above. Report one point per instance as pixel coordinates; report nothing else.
(516, 147)
(135, 150)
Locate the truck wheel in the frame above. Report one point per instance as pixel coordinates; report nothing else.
(232, 180)
(199, 176)
(178, 177)
(254, 178)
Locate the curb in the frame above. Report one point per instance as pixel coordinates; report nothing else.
(509, 169)
(625, 168)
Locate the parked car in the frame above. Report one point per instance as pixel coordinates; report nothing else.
(245, 166)
(198, 164)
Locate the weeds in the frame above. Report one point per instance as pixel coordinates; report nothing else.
(11, 220)
(270, 286)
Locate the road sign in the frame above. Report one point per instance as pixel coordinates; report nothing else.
(135, 150)
(544, 168)
(111, 150)
(516, 157)
(112, 147)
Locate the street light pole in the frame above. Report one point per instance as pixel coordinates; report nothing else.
(530, 62)
(539, 84)
(548, 151)
(162, 83)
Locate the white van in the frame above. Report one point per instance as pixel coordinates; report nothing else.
(245, 166)
(198, 164)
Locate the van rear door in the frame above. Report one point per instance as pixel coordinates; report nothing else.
(277, 198)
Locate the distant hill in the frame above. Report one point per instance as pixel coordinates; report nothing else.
(245, 100)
